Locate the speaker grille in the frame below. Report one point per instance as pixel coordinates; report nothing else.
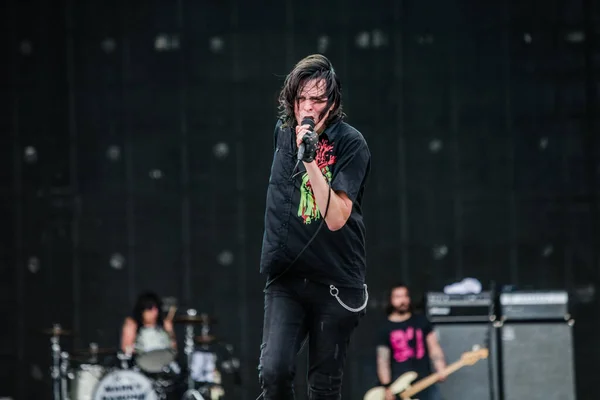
(537, 361)
(471, 382)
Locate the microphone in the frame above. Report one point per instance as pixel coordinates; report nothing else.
(305, 121)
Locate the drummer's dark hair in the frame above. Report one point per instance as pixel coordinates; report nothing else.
(146, 301)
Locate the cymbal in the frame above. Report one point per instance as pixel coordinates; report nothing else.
(89, 352)
(195, 319)
(57, 331)
(205, 339)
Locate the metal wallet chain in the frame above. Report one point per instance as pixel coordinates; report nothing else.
(335, 291)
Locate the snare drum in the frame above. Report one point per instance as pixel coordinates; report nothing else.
(124, 384)
(85, 379)
(154, 361)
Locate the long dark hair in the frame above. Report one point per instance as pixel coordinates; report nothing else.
(146, 301)
(315, 66)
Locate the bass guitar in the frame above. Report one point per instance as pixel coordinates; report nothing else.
(402, 386)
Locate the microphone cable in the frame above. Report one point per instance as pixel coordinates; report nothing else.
(270, 282)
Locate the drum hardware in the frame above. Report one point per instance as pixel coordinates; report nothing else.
(208, 379)
(124, 359)
(64, 368)
(190, 319)
(205, 325)
(55, 368)
(232, 366)
(93, 352)
(56, 371)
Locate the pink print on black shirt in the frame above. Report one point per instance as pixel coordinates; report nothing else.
(401, 347)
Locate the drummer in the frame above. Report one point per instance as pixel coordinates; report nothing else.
(146, 330)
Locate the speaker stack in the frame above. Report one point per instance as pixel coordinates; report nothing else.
(536, 343)
(464, 323)
(528, 335)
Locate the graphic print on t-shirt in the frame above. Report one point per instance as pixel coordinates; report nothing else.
(308, 210)
(400, 341)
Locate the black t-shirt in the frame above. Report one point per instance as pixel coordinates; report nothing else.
(292, 216)
(407, 341)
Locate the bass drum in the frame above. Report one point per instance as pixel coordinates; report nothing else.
(125, 384)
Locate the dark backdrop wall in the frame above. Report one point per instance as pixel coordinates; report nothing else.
(137, 144)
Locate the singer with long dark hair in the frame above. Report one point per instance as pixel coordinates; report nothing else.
(313, 252)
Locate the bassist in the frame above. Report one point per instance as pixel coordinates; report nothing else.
(406, 343)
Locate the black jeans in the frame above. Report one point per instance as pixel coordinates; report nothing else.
(295, 308)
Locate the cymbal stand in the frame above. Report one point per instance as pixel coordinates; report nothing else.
(204, 326)
(191, 392)
(93, 353)
(124, 358)
(55, 368)
(64, 369)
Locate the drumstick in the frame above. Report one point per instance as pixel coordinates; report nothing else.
(171, 313)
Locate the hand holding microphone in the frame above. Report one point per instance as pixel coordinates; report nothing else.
(307, 140)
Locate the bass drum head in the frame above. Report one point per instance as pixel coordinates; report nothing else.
(125, 384)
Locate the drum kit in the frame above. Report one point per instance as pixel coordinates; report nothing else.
(95, 374)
